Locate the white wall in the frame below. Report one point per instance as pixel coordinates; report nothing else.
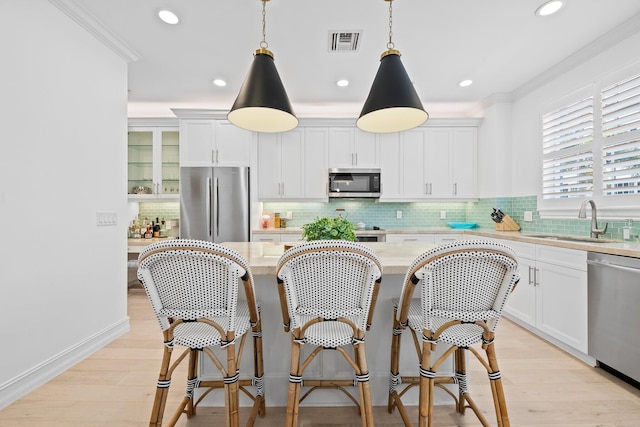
(63, 158)
(526, 154)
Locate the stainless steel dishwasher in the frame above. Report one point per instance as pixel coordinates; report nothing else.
(614, 312)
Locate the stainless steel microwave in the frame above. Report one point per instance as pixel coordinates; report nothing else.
(350, 183)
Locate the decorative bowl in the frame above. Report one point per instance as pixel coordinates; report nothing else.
(462, 225)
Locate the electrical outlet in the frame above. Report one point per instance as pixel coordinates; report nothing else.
(528, 216)
(289, 215)
(398, 214)
(443, 214)
(106, 218)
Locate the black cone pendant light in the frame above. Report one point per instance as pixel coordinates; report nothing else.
(393, 104)
(262, 104)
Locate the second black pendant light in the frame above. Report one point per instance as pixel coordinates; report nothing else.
(393, 104)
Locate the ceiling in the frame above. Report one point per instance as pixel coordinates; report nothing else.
(499, 44)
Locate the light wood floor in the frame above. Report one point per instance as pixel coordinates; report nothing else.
(115, 387)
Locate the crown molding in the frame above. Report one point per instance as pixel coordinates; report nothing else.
(94, 27)
(610, 39)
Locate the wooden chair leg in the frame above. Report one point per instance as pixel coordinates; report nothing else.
(192, 378)
(162, 390)
(461, 376)
(366, 405)
(496, 387)
(231, 388)
(396, 340)
(259, 407)
(425, 399)
(295, 377)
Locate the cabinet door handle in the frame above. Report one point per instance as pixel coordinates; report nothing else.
(283, 188)
(535, 277)
(455, 188)
(213, 156)
(426, 188)
(356, 159)
(217, 156)
(430, 188)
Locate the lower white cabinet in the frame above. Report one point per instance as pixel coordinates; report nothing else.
(438, 239)
(276, 237)
(552, 294)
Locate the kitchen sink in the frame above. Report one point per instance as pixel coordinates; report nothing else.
(571, 238)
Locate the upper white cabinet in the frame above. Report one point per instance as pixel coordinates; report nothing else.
(349, 147)
(429, 163)
(280, 162)
(316, 177)
(293, 165)
(213, 142)
(464, 162)
(153, 162)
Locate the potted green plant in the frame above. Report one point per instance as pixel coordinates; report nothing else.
(326, 228)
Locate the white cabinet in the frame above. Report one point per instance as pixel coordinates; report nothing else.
(552, 293)
(293, 165)
(390, 167)
(464, 162)
(443, 238)
(350, 147)
(429, 163)
(153, 162)
(437, 238)
(265, 237)
(213, 142)
(275, 237)
(315, 168)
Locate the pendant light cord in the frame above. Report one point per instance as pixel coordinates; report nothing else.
(263, 43)
(390, 45)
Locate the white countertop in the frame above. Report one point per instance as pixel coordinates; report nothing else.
(392, 250)
(395, 257)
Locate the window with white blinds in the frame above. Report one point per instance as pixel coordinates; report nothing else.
(621, 138)
(567, 137)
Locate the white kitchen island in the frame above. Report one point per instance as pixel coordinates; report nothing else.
(262, 258)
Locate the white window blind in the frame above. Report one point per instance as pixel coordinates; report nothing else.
(621, 133)
(567, 166)
(621, 168)
(621, 107)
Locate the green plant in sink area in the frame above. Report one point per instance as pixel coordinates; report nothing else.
(326, 228)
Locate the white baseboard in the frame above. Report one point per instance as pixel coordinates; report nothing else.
(28, 381)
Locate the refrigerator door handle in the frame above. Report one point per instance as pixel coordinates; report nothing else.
(217, 209)
(208, 203)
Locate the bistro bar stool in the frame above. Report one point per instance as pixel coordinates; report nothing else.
(464, 286)
(327, 292)
(193, 288)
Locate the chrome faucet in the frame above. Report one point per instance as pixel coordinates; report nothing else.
(595, 232)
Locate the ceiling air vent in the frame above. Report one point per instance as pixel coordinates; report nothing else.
(344, 41)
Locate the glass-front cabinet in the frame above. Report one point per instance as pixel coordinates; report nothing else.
(153, 162)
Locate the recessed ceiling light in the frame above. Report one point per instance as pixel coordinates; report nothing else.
(219, 82)
(168, 17)
(549, 8)
(342, 82)
(465, 83)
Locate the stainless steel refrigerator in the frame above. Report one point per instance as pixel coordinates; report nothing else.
(214, 204)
